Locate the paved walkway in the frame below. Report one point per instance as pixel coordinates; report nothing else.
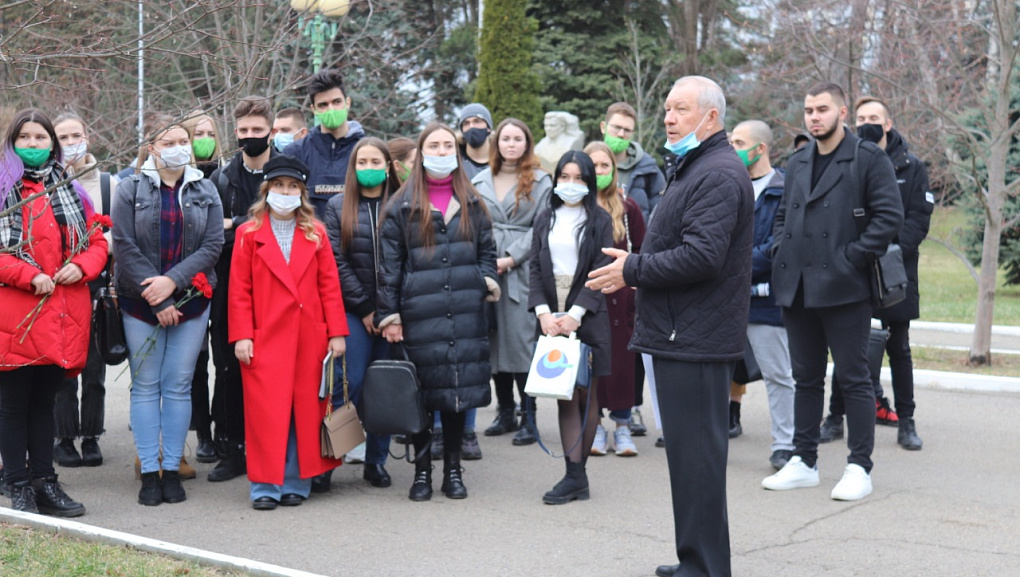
(950, 509)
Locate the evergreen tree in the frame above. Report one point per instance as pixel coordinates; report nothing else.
(507, 86)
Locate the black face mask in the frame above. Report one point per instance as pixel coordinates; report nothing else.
(871, 132)
(475, 137)
(254, 146)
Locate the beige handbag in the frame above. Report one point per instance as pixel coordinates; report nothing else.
(341, 429)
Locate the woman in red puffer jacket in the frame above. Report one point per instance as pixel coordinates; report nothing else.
(49, 250)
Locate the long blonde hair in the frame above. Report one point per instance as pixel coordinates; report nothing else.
(305, 214)
(610, 198)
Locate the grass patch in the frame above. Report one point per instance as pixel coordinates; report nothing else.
(937, 359)
(26, 552)
(948, 292)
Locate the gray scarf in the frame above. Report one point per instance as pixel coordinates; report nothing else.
(67, 206)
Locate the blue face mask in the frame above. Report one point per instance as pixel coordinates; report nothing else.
(571, 192)
(686, 144)
(439, 166)
(281, 140)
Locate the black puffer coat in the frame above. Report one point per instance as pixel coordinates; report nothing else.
(694, 272)
(918, 204)
(439, 294)
(357, 264)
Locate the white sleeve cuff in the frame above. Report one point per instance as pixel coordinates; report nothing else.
(542, 310)
(576, 312)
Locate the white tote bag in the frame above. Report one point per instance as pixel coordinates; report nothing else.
(555, 365)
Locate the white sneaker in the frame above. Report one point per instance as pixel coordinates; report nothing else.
(356, 455)
(855, 484)
(625, 446)
(598, 448)
(794, 475)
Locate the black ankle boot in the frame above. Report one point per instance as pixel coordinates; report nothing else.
(232, 466)
(453, 484)
(91, 456)
(23, 497)
(735, 429)
(504, 423)
(51, 499)
(421, 490)
(574, 485)
(152, 490)
(206, 450)
(526, 432)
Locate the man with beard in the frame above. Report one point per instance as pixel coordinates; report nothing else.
(841, 208)
(874, 124)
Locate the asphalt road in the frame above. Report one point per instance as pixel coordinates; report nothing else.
(950, 509)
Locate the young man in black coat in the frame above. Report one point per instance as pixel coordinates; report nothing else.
(874, 124)
(820, 278)
(693, 279)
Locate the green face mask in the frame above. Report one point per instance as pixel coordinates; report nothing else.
(743, 154)
(405, 171)
(616, 144)
(203, 147)
(602, 181)
(332, 119)
(33, 157)
(371, 177)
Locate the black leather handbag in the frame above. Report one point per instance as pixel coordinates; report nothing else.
(108, 325)
(747, 369)
(392, 401)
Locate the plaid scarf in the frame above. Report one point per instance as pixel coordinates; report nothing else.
(67, 206)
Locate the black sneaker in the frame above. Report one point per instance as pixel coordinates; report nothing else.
(637, 423)
(780, 458)
(321, 483)
(831, 429)
(152, 490)
(206, 451)
(23, 497)
(907, 437)
(65, 454)
(469, 449)
(661, 442)
(51, 499)
(173, 490)
(91, 456)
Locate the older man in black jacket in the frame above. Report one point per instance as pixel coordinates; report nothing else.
(820, 278)
(693, 280)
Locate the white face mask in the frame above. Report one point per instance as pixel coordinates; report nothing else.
(75, 152)
(571, 192)
(283, 203)
(176, 156)
(439, 166)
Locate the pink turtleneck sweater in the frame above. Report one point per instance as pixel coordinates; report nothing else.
(440, 192)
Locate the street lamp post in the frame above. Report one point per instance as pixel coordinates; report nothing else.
(319, 30)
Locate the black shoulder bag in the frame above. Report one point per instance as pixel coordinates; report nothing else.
(888, 276)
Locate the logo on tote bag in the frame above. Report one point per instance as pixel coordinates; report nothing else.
(552, 364)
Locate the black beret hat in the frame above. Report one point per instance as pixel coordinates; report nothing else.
(284, 165)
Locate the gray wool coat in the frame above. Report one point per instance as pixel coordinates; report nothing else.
(514, 341)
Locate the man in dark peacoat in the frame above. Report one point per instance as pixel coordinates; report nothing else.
(820, 278)
(693, 279)
(874, 123)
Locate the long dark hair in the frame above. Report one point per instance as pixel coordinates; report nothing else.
(525, 166)
(416, 191)
(352, 188)
(590, 201)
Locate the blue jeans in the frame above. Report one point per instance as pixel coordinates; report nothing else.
(621, 416)
(161, 386)
(293, 484)
(362, 349)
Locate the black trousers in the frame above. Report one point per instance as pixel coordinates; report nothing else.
(901, 365)
(813, 333)
(26, 421)
(453, 434)
(89, 421)
(228, 395)
(694, 405)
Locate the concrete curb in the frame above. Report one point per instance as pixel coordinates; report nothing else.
(116, 538)
(964, 328)
(946, 381)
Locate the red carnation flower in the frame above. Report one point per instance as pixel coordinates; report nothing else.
(100, 220)
(201, 283)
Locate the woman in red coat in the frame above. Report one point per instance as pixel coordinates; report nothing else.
(48, 252)
(285, 313)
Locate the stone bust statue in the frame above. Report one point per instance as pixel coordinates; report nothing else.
(562, 133)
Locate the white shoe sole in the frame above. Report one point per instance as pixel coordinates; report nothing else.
(839, 496)
(777, 485)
